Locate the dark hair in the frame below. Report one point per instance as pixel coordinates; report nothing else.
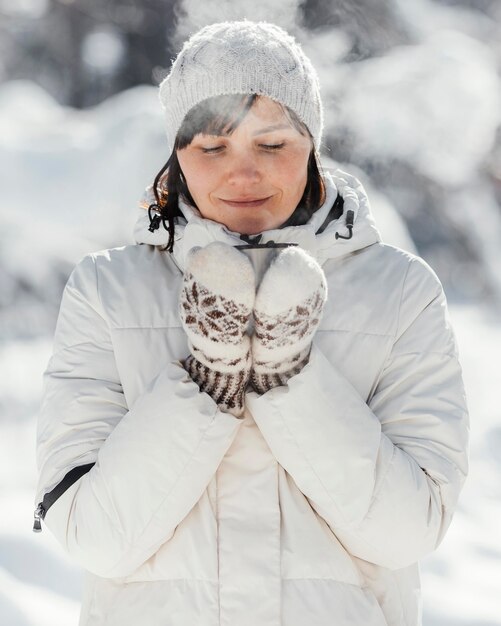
(220, 115)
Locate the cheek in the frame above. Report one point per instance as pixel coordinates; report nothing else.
(293, 173)
(198, 176)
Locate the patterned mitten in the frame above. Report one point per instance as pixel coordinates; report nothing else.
(215, 305)
(288, 308)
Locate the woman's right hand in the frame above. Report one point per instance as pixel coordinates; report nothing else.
(215, 305)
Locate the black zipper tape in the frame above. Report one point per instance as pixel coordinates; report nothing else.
(49, 498)
(335, 213)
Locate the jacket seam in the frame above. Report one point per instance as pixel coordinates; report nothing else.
(98, 294)
(123, 579)
(403, 612)
(327, 578)
(401, 300)
(375, 494)
(86, 301)
(396, 336)
(108, 325)
(353, 332)
(450, 355)
(113, 328)
(70, 347)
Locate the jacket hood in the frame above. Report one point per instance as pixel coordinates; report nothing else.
(325, 236)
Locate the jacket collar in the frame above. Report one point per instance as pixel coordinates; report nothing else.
(317, 236)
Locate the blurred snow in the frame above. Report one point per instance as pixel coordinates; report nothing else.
(475, 207)
(194, 14)
(78, 169)
(103, 50)
(436, 104)
(34, 9)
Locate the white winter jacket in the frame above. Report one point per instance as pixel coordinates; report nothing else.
(311, 510)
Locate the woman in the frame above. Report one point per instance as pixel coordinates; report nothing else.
(254, 416)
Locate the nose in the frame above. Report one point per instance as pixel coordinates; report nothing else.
(244, 169)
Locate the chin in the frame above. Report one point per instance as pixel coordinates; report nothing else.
(249, 231)
(252, 229)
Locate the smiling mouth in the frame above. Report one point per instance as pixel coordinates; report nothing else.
(245, 203)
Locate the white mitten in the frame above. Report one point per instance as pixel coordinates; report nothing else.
(215, 304)
(288, 308)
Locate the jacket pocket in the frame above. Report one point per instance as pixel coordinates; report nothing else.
(50, 497)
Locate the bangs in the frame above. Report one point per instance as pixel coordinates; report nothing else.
(219, 115)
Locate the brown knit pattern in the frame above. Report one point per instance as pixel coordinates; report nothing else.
(264, 381)
(222, 321)
(211, 315)
(274, 331)
(227, 390)
(294, 325)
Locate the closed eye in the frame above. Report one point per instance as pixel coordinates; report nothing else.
(275, 146)
(267, 146)
(211, 150)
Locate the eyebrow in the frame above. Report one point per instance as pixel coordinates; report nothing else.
(268, 129)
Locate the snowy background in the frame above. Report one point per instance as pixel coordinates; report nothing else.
(412, 90)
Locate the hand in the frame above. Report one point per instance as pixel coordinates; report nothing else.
(215, 305)
(287, 310)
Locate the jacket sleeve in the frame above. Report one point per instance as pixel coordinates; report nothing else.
(384, 474)
(152, 461)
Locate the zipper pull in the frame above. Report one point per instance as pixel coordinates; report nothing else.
(350, 216)
(38, 514)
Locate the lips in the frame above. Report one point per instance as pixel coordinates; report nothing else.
(245, 202)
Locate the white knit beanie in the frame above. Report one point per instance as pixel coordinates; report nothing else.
(242, 57)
